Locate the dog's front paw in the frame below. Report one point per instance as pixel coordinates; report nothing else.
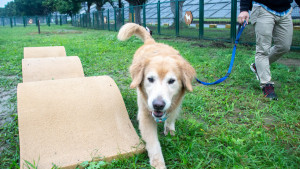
(168, 130)
(160, 167)
(158, 162)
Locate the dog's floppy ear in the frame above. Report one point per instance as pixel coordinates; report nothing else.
(137, 72)
(188, 74)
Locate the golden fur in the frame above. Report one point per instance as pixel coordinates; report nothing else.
(159, 73)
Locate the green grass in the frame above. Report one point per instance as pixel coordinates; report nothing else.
(230, 125)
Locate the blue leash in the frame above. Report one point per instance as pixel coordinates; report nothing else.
(240, 30)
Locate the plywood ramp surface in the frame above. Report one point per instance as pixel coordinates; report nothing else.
(38, 69)
(42, 52)
(68, 121)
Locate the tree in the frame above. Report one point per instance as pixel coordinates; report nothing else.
(2, 11)
(100, 3)
(30, 7)
(137, 9)
(69, 7)
(10, 9)
(89, 4)
(173, 9)
(50, 6)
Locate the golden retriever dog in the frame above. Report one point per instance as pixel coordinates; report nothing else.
(161, 77)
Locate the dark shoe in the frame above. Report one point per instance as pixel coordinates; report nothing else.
(253, 68)
(268, 90)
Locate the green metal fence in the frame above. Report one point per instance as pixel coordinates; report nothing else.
(33, 20)
(162, 19)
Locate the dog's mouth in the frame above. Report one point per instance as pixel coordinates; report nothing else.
(158, 113)
(159, 116)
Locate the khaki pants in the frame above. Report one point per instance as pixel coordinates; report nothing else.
(267, 27)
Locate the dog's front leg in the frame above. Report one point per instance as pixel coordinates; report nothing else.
(169, 126)
(148, 128)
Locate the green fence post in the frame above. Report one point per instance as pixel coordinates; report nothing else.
(123, 17)
(15, 23)
(93, 20)
(80, 20)
(90, 20)
(102, 17)
(97, 19)
(83, 20)
(11, 22)
(86, 20)
(233, 19)
(201, 18)
(2, 21)
(131, 10)
(77, 20)
(158, 17)
(87, 17)
(49, 20)
(144, 15)
(108, 24)
(115, 17)
(177, 18)
(24, 22)
(60, 20)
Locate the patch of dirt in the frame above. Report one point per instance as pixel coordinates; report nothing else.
(165, 38)
(9, 77)
(218, 44)
(198, 45)
(290, 62)
(6, 110)
(5, 106)
(60, 31)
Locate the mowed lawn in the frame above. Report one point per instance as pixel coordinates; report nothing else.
(229, 125)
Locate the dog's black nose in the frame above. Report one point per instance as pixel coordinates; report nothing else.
(158, 104)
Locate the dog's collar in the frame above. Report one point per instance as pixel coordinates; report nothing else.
(161, 119)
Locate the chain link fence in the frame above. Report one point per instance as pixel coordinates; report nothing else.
(33, 20)
(203, 19)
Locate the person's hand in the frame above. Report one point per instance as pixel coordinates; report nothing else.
(243, 16)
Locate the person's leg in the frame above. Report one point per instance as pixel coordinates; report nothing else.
(282, 36)
(264, 25)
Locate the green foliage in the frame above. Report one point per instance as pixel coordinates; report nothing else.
(2, 12)
(136, 2)
(100, 3)
(69, 7)
(30, 7)
(93, 164)
(229, 125)
(10, 9)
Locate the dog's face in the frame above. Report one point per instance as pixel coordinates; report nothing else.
(161, 80)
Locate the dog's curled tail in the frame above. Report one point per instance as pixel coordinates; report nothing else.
(130, 29)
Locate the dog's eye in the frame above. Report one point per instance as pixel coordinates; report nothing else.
(151, 80)
(171, 81)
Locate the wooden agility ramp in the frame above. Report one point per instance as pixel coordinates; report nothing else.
(66, 118)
